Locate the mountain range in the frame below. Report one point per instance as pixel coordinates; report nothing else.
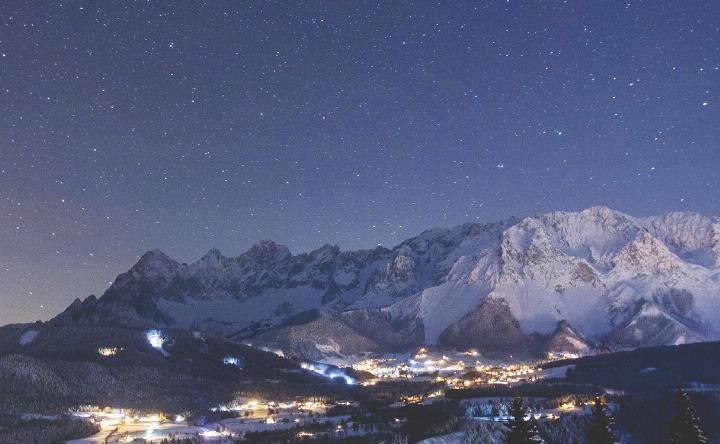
(556, 282)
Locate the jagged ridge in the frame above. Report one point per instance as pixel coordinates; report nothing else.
(610, 278)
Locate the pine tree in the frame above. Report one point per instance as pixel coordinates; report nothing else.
(599, 431)
(533, 427)
(685, 427)
(521, 431)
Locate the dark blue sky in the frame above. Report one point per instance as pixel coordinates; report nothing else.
(127, 126)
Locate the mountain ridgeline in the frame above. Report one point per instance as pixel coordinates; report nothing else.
(556, 282)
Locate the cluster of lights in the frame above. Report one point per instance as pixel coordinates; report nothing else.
(256, 404)
(381, 368)
(423, 362)
(109, 417)
(108, 351)
(450, 371)
(551, 356)
(412, 399)
(508, 375)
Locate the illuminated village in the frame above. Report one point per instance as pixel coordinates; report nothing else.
(423, 379)
(460, 370)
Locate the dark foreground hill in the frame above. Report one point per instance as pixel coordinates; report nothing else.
(692, 366)
(647, 378)
(50, 368)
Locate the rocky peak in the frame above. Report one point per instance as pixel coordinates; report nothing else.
(604, 213)
(155, 263)
(267, 251)
(646, 254)
(566, 339)
(693, 236)
(75, 304)
(327, 252)
(564, 327)
(213, 258)
(474, 229)
(213, 254)
(155, 255)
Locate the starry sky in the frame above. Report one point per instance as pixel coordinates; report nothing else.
(186, 125)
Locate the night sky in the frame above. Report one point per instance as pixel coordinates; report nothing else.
(128, 126)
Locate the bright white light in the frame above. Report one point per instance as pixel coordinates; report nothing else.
(156, 340)
(151, 418)
(232, 360)
(210, 434)
(105, 423)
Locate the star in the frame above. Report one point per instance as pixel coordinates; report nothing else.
(132, 126)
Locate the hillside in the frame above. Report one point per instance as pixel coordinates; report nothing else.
(50, 368)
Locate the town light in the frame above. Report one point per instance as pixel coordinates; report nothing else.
(107, 351)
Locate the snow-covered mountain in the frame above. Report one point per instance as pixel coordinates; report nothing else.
(556, 280)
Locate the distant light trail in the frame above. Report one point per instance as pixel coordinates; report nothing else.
(328, 372)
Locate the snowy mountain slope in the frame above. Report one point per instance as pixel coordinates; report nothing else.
(566, 339)
(598, 270)
(603, 275)
(268, 284)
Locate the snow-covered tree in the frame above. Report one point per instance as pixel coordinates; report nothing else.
(599, 429)
(685, 427)
(484, 432)
(521, 430)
